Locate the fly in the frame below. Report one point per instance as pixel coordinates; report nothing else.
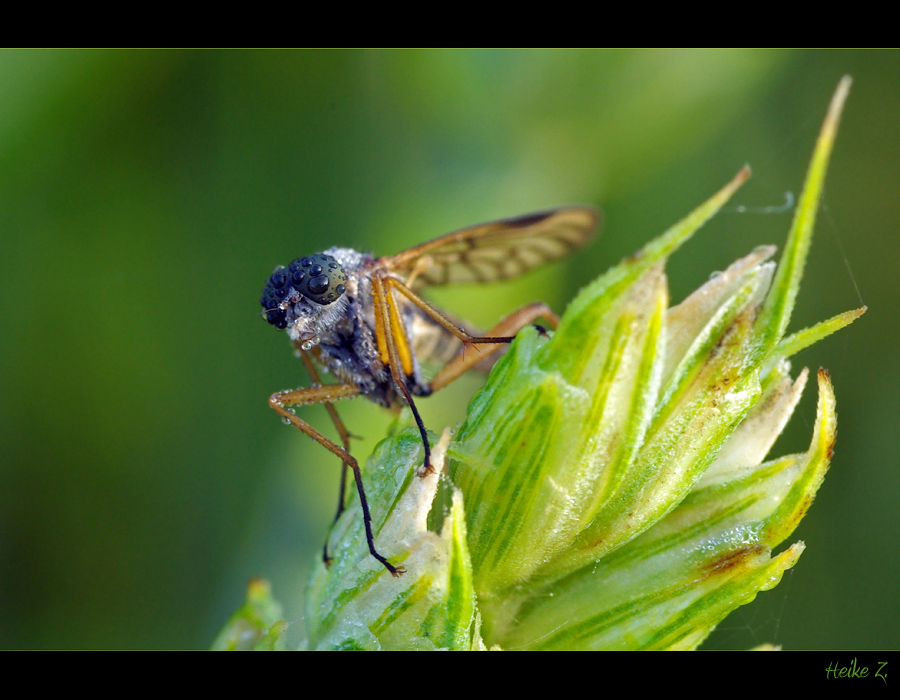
(361, 318)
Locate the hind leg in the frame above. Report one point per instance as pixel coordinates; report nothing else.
(495, 339)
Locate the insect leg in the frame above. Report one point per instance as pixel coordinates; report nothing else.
(282, 400)
(391, 332)
(450, 326)
(509, 327)
(345, 439)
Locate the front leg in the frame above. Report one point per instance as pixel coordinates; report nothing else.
(281, 401)
(342, 432)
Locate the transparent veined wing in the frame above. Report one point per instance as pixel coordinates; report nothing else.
(497, 250)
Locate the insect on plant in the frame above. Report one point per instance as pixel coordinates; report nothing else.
(361, 319)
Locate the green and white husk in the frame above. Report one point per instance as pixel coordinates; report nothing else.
(607, 489)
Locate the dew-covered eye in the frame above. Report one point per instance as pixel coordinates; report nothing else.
(318, 285)
(278, 280)
(277, 318)
(271, 299)
(324, 281)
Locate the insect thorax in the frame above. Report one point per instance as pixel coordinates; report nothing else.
(347, 345)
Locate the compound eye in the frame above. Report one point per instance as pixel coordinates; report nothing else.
(318, 285)
(325, 280)
(276, 318)
(272, 297)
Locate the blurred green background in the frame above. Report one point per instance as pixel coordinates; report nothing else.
(145, 197)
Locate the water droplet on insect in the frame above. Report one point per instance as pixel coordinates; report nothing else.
(286, 420)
